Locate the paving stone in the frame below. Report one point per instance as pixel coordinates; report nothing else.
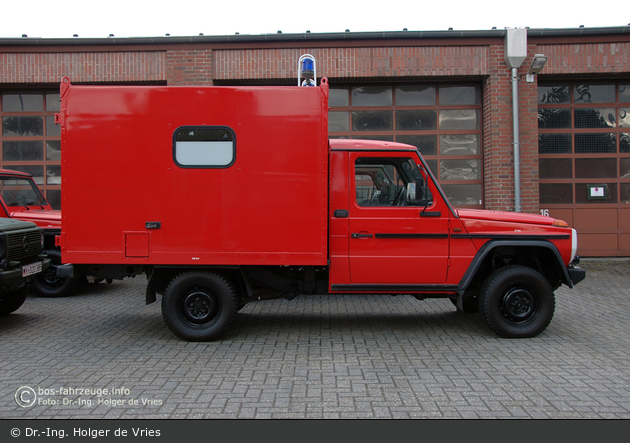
(363, 356)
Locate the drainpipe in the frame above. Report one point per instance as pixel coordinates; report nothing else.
(515, 55)
(517, 144)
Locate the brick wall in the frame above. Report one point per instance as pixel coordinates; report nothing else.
(586, 58)
(356, 63)
(189, 67)
(49, 67)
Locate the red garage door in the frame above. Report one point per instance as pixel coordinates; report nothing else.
(584, 154)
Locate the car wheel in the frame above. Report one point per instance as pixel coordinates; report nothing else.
(199, 305)
(516, 302)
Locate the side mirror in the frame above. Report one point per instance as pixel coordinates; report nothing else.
(418, 193)
(421, 189)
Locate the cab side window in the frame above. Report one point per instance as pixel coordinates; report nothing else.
(386, 181)
(378, 182)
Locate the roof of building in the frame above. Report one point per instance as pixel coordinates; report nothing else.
(309, 37)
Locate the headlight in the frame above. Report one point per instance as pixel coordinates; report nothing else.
(574, 244)
(41, 239)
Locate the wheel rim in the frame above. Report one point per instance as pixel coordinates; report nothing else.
(199, 306)
(519, 304)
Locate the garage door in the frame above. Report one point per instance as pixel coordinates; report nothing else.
(443, 121)
(30, 138)
(584, 162)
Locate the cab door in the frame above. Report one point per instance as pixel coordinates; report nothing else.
(393, 239)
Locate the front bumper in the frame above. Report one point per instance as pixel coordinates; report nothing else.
(9, 275)
(576, 274)
(11, 279)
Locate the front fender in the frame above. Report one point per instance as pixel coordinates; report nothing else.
(491, 245)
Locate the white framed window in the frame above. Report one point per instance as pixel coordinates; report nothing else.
(204, 147)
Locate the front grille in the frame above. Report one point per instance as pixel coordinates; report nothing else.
(22, 245)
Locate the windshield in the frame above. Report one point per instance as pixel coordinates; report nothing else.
(21, 192)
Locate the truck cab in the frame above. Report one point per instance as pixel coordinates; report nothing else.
(389, 224)
(392, 226)
(393, 230)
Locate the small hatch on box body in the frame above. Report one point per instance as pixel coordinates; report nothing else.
(136, 244)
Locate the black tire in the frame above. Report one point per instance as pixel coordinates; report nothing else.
(12, 301)
(47, 284)
(516, 302)
(199, 306)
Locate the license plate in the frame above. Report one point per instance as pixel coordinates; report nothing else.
(33, 268)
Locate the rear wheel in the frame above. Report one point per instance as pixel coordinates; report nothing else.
(199, 306)
(12, 301)
(516, 302)
(47, 284)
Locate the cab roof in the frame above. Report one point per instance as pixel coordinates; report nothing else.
(12, 172)
(337, 144)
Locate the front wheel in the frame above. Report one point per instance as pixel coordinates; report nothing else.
(516, 302)
(199, 306)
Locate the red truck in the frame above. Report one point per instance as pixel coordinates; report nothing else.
(228, 195)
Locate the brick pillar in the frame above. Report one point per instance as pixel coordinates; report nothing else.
(189, 67)
(498, 146)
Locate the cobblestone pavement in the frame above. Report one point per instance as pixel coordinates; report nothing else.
(318, 357)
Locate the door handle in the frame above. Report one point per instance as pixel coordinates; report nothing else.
(430, 214)
(361, 235)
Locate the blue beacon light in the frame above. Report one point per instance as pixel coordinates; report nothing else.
(307, 72)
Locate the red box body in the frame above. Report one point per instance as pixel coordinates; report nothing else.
(268, 207)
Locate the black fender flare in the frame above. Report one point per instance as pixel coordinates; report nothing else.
(493, 244)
